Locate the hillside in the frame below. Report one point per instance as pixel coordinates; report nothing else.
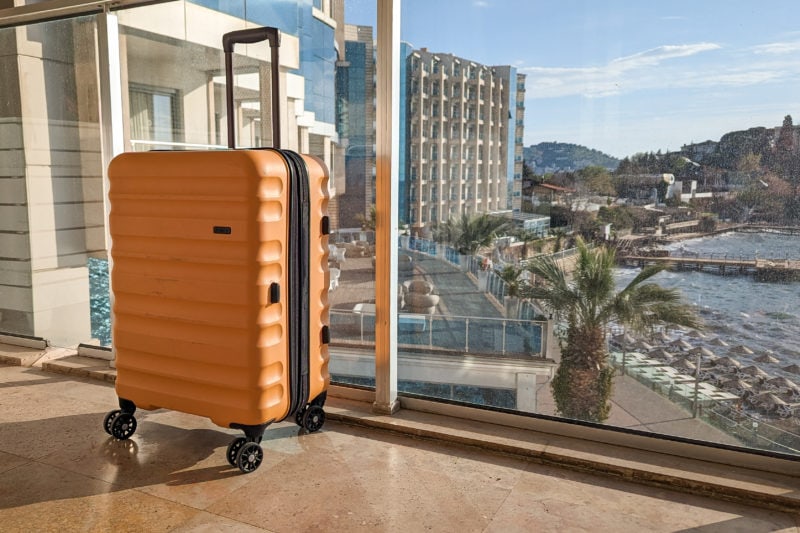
(552, 157)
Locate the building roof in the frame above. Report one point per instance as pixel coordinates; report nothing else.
(555, 188)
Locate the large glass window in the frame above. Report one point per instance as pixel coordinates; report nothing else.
(661, 137)
(643, 132)
(51, 194)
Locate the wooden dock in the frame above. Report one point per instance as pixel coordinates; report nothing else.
(761, 269)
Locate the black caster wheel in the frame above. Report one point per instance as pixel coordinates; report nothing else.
(108, 421)
(123, 426)
(249, 457)
(233, 449)
(298, 417)
(313, 418)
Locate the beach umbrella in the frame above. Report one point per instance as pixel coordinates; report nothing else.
(741, 349)
(695, 334)
(719, 378)
(754, 371)
(767, 401)
(717, 342)
(782, 383)
(641, 345)
(661, 353)
(736, 384)
(793, 369)
(681, 345)
(661, 336)
(766, 357)
(702, 350)
(623, 339)
(727, 362)
(684, 364)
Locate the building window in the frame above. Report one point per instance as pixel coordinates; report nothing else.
(154, 114)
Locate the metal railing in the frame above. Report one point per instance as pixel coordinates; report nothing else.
(488, 280)
(460, 334)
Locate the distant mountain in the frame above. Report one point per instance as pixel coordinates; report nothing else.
(553, 157)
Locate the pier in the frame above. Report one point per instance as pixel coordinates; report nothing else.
(762, 269)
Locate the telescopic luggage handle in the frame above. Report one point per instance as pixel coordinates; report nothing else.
(249, 36)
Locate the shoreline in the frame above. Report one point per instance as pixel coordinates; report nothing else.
(661, 240)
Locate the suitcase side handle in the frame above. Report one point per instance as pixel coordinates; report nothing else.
(249, 36)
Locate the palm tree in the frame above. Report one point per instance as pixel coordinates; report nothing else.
(587, 303)
(510, 276)
(469, 234)
(369, 220)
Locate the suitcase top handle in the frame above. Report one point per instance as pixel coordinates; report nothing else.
(248, 36)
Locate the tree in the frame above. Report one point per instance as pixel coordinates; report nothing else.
(510, 274)
(597, 180)
(786, 158)
(587, 303)
(469, 234)
(368, 221)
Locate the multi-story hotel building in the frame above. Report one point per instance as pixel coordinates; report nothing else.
(75, 92)
(355, 108)
(462, 141)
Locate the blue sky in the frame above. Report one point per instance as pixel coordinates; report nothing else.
(625, 76)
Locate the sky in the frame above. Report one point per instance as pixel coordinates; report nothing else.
(624, 76)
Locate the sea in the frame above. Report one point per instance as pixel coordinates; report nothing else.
(763, 316)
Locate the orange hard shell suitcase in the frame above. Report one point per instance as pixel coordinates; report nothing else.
(220, 283)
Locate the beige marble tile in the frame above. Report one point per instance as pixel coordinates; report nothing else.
(349, 482)
(560, 500)
(204, 522)
(9, 461)
(40, 498)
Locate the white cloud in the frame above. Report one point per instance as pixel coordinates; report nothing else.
(480, 3)
(658, 68)
(778, 48)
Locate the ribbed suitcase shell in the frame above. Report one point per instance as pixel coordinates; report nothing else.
(194, 329)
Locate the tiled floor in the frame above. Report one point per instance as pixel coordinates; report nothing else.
(60, 472)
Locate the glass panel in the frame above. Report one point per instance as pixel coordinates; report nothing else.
(352, 297)
(51, 203)
(609, 160)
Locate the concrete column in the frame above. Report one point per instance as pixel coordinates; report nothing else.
(387, 189)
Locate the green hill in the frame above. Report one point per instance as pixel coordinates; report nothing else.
(553, 157)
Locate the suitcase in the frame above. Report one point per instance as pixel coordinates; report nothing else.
(220, 282)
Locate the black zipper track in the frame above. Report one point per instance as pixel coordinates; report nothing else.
(298, 264)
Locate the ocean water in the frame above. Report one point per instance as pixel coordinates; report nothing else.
(763, 316)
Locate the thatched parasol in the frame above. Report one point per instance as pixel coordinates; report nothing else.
(702, 350)
(754, 371)
(781, 383)
(681, 345)
(623, 339)
(695, 334)
(793, 369)
(767, 357)
(717, 342)
(736, 384)
(683, 363)
(661, 336)
(641, 345)
(662, 354)
(740, 349)
(727, 362)
(767, 401)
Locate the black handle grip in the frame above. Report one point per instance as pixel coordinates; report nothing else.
(248, 36)
(274, 293)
